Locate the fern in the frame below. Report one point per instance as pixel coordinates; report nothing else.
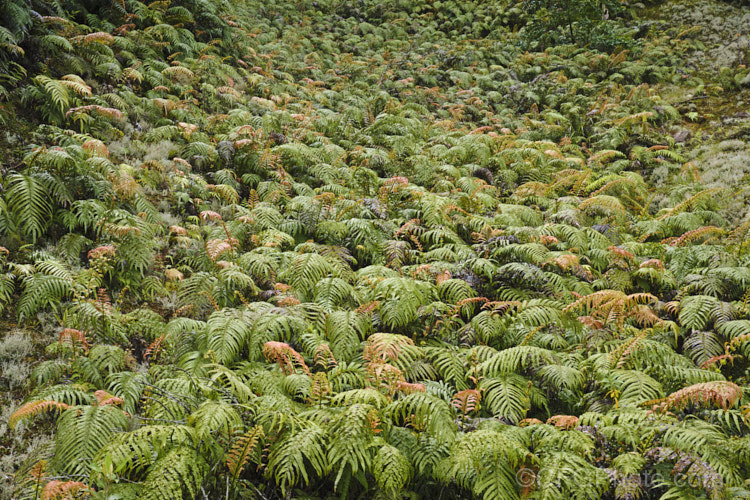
(290, 458)
(29, 204)
(227, 335)
(392, 470)
(33, 408)
(485, 463)
(178, 474)
(245, 449)
(82, 432)
(507, 397)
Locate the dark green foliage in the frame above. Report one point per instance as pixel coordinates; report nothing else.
(407, 249)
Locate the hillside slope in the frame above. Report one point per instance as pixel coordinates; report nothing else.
(363, 249)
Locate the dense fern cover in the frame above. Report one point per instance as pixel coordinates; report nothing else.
(363, 249)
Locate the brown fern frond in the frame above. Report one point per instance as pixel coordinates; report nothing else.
(285, 356)
(74, 338)
(721, 394)
(245, 449)
(653, 264)
(64, 490)
(324, 357)
(98, 37)
(107, 251)
(720, 360)
(368, 307)
(210, 215)
(467, 401)
(155, 348)
(104, 398)
(34, 408)
(695, 234)
(529, 421)
(217, 248)
(383, 347)
(393, 186)
(104, 111)
(564, 262)
(564, 422)
(409, 388)
(120, 231)
(96, 147)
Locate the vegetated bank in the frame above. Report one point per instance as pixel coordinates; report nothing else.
(372, 249)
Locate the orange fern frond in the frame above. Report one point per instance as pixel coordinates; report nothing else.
(154, 349)
(64, 490)
(34, 408)
(409, 388)
(653, 264)
(324, 356)
(695, 234)
(217, 248)
(384, 347)
(368, 307)
(104, 398)
(467, 401)
(74, 338)
(285, 356)
(529, 421)
(208, 215)
(564, 262)
(721, 394)
(564, 422)
(721, 359)
(245, 449)
(108, 112)
(98, 37)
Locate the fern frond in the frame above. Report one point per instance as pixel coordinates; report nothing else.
(289, 458)
(177, 475)
(245, 449)
(34, 408)
(82, 432)
(392, 470)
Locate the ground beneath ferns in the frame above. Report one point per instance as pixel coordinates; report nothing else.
(717, 132)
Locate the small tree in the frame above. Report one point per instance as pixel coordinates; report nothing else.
(581, 22)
